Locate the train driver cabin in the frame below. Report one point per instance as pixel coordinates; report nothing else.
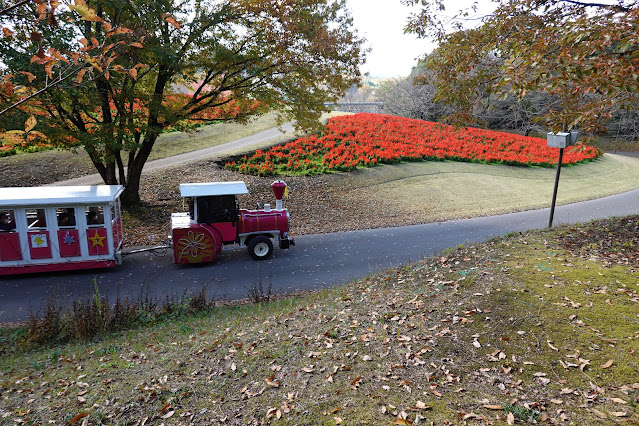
(45, 229)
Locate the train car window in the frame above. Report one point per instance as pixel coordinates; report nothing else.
(36, 218)
(94, 215)
(7, 220)
(218, 208)
(66, 217)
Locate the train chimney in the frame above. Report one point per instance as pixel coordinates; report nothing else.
(279, 188)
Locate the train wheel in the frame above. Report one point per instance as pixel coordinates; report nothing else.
(260, 247)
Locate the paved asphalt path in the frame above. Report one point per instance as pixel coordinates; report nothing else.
(317, 260)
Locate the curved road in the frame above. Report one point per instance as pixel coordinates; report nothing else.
(317, 260)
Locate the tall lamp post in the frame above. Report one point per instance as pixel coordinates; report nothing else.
(560, 140)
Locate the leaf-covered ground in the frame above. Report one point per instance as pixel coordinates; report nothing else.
(532, 328)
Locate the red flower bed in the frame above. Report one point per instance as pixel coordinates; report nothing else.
(363, 140)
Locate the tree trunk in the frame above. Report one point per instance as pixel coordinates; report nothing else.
(131, 194)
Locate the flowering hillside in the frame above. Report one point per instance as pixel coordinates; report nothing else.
(364, 140)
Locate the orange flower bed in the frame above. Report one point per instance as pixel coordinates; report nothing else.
(364, 140)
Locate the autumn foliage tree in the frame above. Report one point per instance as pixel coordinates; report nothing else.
(29, 30)
(585, 54)
(238, 58)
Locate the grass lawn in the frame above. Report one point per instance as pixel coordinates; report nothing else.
(434, 191)
(536, 327)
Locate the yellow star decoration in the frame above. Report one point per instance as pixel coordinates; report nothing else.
(97, 240)
(39, 240)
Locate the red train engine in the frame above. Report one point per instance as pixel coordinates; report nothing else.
(215, 220)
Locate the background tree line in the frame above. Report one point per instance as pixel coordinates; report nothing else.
(415, 97)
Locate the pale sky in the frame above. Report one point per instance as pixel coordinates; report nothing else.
(382, 23)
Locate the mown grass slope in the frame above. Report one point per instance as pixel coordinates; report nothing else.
(535, 327)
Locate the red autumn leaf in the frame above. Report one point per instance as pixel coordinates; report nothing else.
(78, 417)
(36, 36)
(171, 20)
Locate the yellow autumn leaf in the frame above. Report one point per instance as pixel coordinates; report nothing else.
(30, 76)
(86, 13)
(30, 123)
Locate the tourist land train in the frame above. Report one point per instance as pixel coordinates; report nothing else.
(45, 229)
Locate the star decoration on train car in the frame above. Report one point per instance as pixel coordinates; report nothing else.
(97, 240)
(69, 239)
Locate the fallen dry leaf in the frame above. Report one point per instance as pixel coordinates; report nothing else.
(421, 405)
(510, 419)
(618, 413)
(272, 382)
(608, 364)
(78, 417)
(404, 422)
(599, 414)
(356, 381)
(271, 412)
(492, 406)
